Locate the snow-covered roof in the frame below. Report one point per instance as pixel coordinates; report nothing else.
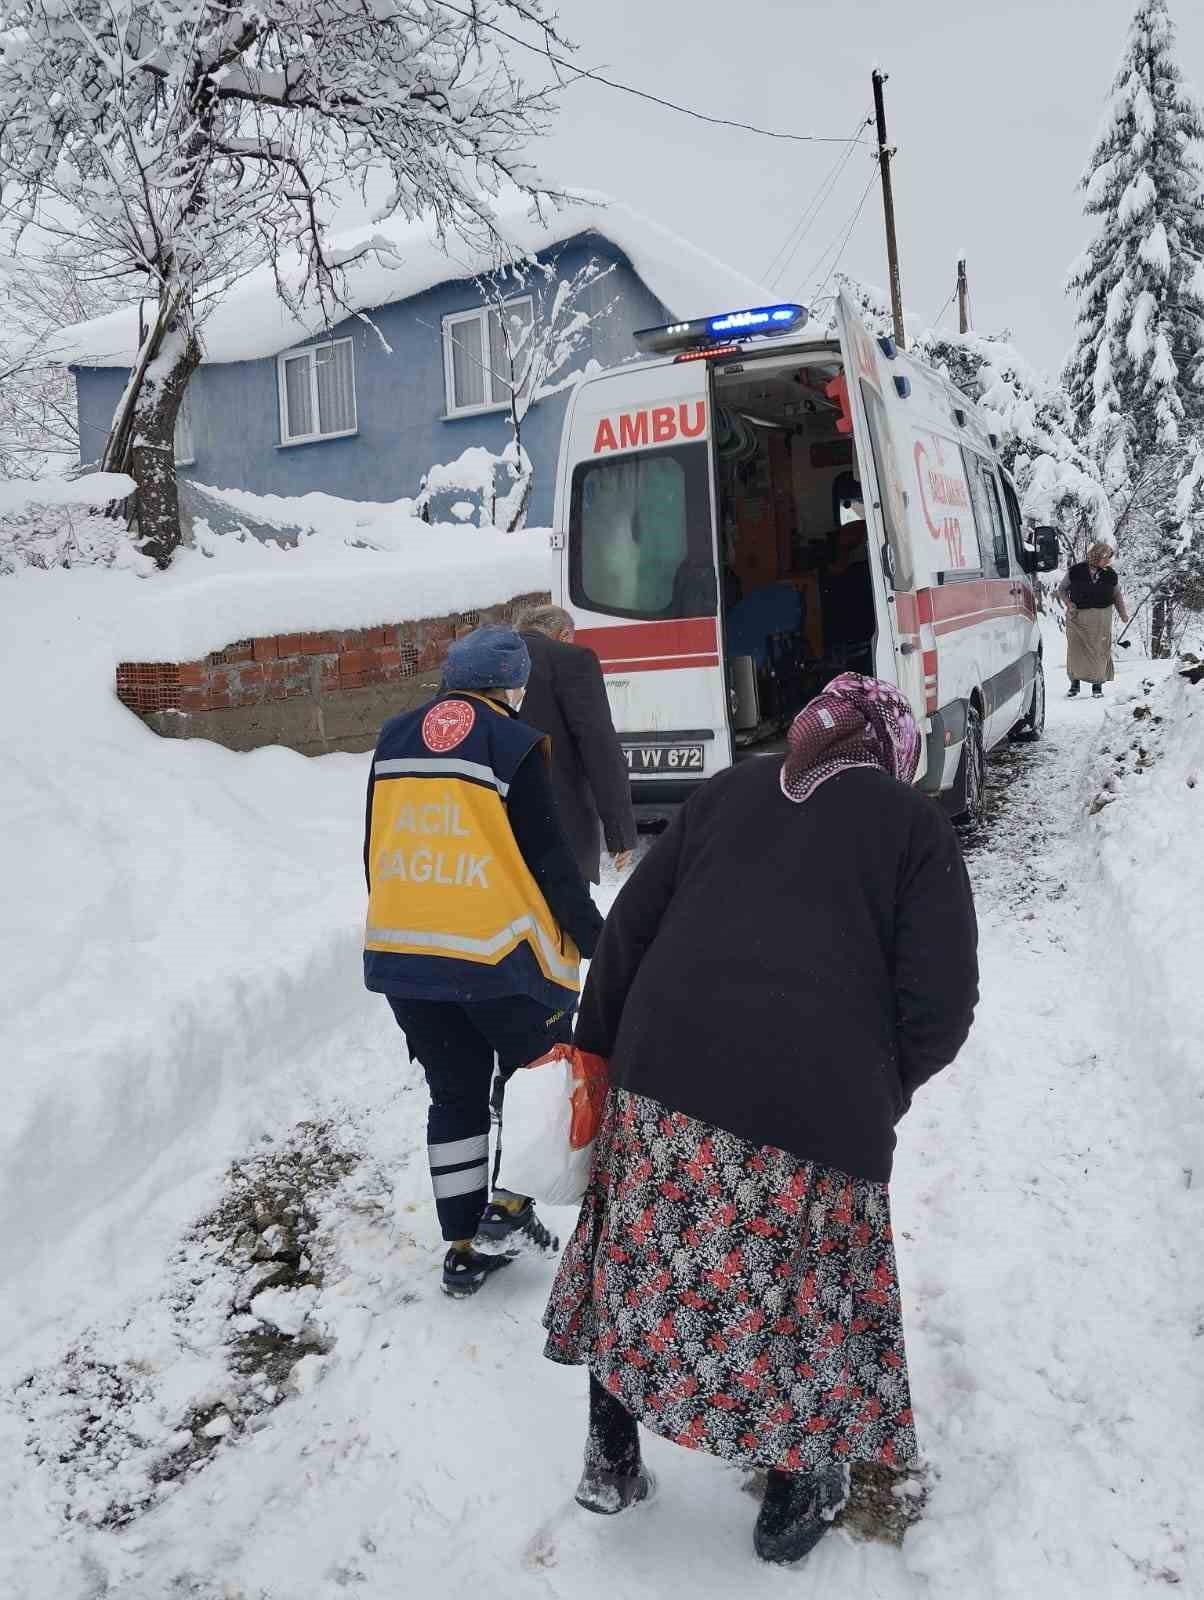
(251, 322)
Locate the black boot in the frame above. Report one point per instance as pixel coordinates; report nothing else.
(1074, 687)
(797, 1512)
(614, 1476)
(515, 1233)
(465, 1271)
(1097, 691)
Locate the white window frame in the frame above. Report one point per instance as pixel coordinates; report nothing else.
(479, 314)
(184, 411)
(287, 439)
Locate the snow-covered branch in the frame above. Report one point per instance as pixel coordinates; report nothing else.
(538, 325)
(190, 141)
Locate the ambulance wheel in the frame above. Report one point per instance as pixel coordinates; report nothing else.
(1034, 723)
(970, 807)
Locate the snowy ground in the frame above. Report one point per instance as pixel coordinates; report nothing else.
(1048, 1230)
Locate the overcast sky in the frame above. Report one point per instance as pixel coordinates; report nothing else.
(994, 115)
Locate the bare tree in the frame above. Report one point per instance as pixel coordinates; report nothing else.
(538, 324)
(40, 294)
(189, 141)
(536, 350)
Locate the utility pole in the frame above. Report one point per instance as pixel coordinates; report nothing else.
(963, 298)
(885, 153)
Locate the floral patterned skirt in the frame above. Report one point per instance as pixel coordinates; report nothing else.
(734, 1298)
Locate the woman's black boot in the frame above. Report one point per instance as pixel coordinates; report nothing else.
(614, 1476)
(797, 1511)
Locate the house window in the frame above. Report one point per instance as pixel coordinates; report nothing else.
(185, 451)
(475, 360)
(317, 392)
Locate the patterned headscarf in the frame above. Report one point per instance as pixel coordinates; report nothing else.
(855, 722)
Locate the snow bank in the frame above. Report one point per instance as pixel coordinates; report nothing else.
(357, 564)
(251, 322)
(95, 490)
(179, 922)
(1145, 835)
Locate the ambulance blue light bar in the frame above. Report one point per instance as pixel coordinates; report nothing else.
(724, 328)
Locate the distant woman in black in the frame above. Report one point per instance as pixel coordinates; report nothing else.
(1091, 591)
(789, 963)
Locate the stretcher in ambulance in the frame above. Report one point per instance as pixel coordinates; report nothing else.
(745, 512)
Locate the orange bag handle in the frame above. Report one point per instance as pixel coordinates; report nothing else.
(591, 1083)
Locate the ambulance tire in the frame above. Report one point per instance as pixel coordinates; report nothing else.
(1034, 723)
(1031, 726)
(969, 807)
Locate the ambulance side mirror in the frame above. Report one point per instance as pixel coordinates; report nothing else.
(1049, 549)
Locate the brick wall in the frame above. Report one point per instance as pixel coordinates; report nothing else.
(312, 691)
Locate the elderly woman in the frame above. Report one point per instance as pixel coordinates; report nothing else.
(790, 962)
(1091, 591)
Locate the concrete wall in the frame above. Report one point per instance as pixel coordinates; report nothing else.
(400, 398)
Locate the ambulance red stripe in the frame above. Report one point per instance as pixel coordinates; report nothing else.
(952, 607)
(654, 646)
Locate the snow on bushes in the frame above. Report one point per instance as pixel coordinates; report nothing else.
(60, 522)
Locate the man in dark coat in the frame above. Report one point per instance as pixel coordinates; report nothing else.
(566, 699)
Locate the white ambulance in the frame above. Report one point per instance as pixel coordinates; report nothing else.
(746, 511)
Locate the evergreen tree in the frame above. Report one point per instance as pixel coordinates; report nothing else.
(1136, 376)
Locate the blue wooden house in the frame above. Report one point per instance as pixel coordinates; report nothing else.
(363, 406)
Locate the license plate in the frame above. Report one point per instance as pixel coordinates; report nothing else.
(663, 757)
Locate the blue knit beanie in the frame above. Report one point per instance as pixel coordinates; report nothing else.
(492, 657)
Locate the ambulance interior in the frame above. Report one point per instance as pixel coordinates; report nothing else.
(797, 594)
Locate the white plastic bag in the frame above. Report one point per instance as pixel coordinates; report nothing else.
(550, 1117)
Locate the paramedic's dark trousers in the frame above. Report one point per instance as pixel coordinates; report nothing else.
(456, 1045)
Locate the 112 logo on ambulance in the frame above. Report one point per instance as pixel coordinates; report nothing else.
(944, 495)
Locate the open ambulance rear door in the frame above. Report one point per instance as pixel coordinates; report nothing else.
(906, 649)
(636, 500)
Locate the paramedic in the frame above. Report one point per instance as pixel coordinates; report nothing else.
(476, 916)
(1091, 592)
(790, 962)
(566, 699)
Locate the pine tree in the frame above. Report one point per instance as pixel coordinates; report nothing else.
(1136, 376)
(1138, 361)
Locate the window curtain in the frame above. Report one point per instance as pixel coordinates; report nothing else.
(336, 387)
(298, 400)
(468, 376)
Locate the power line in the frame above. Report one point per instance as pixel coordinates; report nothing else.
(794, 239)
(814, 205)
(945, 307)
(833, 244)
(853, 221)
(640, 94)
(815, 217)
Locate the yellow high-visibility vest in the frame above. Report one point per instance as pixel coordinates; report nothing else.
(453, 910)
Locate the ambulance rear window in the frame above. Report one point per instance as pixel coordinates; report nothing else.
(640, 535)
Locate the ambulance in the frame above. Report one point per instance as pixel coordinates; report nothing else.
(744, 511)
